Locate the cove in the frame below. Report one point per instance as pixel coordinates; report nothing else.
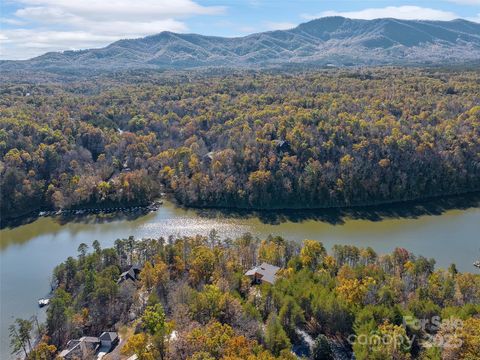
(447, 230)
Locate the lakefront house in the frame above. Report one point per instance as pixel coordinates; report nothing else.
(264, 273)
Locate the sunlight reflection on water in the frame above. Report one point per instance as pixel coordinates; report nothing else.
(29, 253)
(189, 227)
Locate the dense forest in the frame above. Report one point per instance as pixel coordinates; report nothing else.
(193, 301)
(247, 140)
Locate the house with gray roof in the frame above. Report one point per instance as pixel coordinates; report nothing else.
(131, 274)
(82, 348)
(108, 339)
(88, 346)
(264, 273)
(281, 145)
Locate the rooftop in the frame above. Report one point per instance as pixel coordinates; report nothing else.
(108, 336)
(266, 271)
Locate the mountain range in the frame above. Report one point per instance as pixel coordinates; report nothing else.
(329, 41)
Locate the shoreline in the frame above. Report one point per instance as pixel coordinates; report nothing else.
(447, 238)
(459, 201)
(34, 215)
(372, 205)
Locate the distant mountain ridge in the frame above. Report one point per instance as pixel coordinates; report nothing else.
(331, 40)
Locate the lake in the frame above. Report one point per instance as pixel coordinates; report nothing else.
(447, 231)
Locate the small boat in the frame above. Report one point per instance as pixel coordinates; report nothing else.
(477, 264)
(43, 302)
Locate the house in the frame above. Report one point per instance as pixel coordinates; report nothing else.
(88, 346)
(281, 145)
(208, 157)
(131, 274)
(82, 348)
(108, 340)
(264, 273)
(125, 167)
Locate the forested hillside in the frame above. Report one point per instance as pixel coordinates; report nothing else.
(193, 301)
(247, 140)
(327, 41)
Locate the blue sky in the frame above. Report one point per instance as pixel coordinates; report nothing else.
(33, 27)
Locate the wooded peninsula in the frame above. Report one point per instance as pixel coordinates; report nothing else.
(206, 298)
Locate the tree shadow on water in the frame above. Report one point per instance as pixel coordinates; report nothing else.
(84, 218)
(337, 216)
(102, 218)
(334, 216)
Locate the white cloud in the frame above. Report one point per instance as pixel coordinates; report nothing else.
(126, 9)
(73, 24)
(465, 2)
(399, 12)
(475, 18)
(27, 43)
(255, 3)
(245, 30)
(279, 25)
(8, 21)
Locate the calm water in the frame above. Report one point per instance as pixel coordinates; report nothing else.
(29, 253)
